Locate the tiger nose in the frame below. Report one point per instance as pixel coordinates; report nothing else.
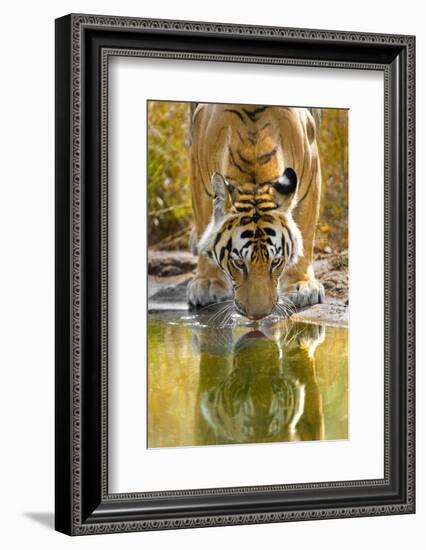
(255, 317)
(252, 316)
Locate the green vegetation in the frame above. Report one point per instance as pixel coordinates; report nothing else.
(169, 199)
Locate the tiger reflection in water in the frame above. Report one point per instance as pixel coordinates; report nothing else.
(263, 388)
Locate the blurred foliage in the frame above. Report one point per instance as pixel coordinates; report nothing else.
(332, 228)
(169, 197)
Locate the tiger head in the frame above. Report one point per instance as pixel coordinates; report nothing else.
(253, 239)
(258, 400)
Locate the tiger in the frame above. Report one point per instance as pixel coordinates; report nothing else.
(255, 190)
(261, 390)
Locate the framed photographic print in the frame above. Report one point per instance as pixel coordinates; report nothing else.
(234, 274)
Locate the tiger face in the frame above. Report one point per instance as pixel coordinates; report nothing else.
(253, 238)
(258, 400)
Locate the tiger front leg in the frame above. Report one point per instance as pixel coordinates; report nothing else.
(300, 287)
(209, 285)
(298, 283)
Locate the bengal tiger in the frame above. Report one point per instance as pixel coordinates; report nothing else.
(255, 185)
(261, 390)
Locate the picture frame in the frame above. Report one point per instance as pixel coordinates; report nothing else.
(83, 503)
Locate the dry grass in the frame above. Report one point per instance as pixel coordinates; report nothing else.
(169, 197)
(333, 147)
(169, 200)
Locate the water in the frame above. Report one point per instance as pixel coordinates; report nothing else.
(277, 381)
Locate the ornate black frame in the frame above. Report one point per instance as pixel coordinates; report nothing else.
(83, 46)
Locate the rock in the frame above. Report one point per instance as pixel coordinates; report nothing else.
(171, 294)
(332, 314)
(333, 271)
(170, 263)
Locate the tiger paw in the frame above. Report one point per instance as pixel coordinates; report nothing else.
(202, 291)
(306, 293)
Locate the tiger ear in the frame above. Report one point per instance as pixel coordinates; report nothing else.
(221, 191)
(285, 189)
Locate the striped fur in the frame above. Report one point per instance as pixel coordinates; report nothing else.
(255, 235)
(260, 388)
(252, 242)
(252, 168)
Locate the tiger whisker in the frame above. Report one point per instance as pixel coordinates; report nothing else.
(217, 314)
(214, 304)
(291, 336)
(287, 310)
(282, 311)
(219, 305)
(223, 337)
(221, 311)
(230, 312)
(277, 310)
(225, 315)
(220, 314)
(287, 304)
